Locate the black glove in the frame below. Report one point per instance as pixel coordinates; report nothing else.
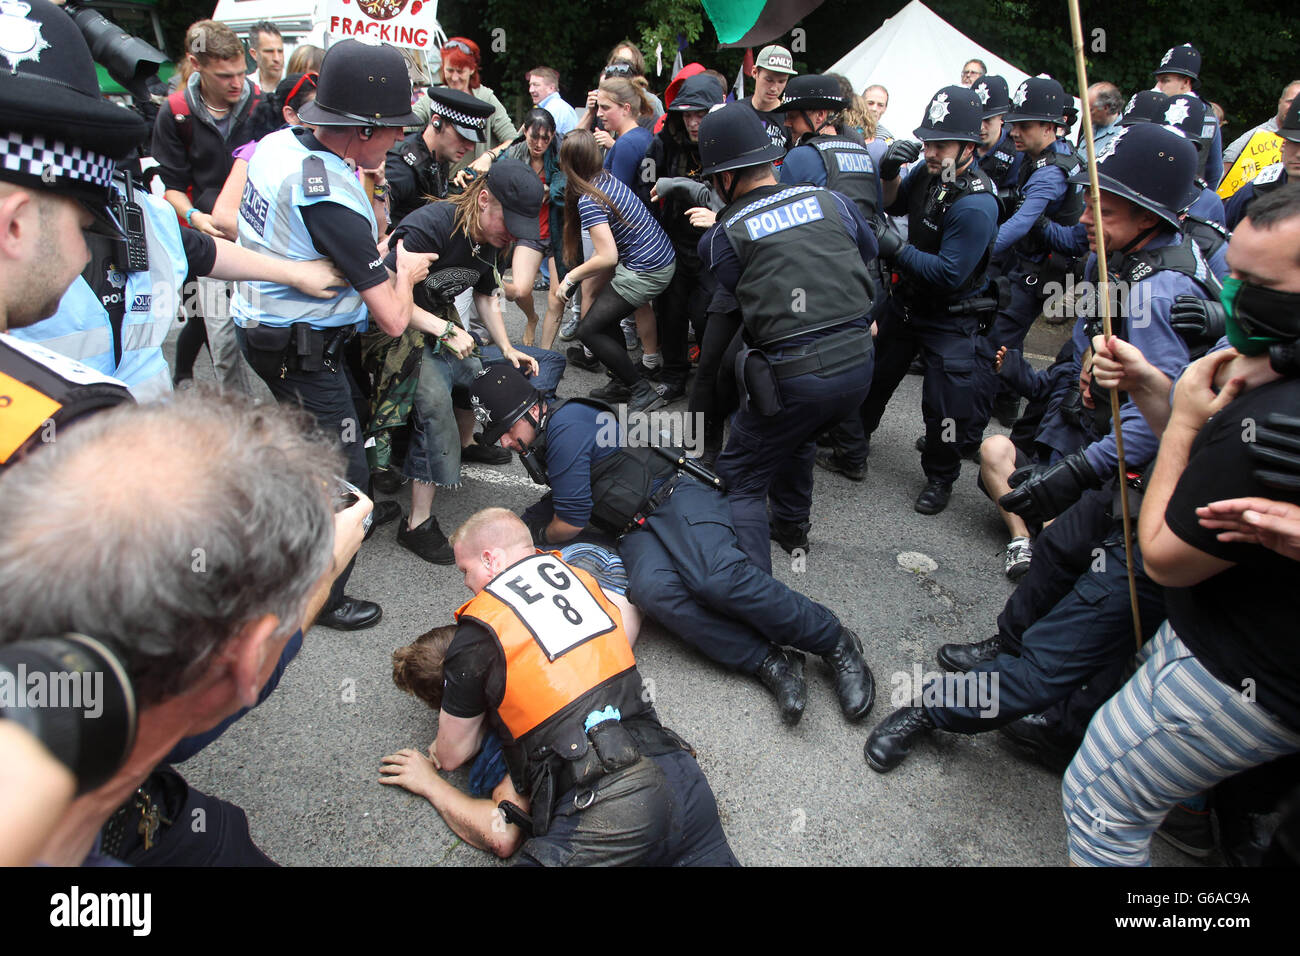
(1040, 494)
(1038, 231)
(1276, 450)
(888, 238)
(1200, 322)
(899, 154)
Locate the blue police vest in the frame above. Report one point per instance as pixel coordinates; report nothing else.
(270, 223)
(81, 330)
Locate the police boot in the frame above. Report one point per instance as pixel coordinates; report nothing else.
(960, 658)
(789, 534)
(892, 740)
(1039, 739)
(853, 682)
(934, 497)
(782, 673)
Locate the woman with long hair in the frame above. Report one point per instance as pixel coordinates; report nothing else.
(540, 151)
(632, 262)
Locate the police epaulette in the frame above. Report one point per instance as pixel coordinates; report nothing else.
(1268, 174)
(315, 181)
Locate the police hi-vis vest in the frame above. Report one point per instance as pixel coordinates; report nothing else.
(800, 269)
(283, 177)
(81, 330)
(566, 656)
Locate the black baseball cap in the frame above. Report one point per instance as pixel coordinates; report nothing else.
(520, 193)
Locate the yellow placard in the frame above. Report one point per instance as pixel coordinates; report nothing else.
(22, 411)
(1262, 149)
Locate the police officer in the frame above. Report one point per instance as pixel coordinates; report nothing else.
(1178, 72)
(952, 219)
(416, 168)
(1042, 188)
(1270, 177)
(685, 564)
(541, 655)
(1069, 619)
(57, 150)
(798, 261)
(822, 155)
(998, 155)
(303, 201)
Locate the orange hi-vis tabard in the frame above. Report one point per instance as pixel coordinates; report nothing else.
(561, 637)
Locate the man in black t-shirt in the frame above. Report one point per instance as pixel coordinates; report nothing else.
(1218, 689)
(772, 70)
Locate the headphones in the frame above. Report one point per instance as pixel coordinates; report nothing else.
(365, 133)
(437, 123)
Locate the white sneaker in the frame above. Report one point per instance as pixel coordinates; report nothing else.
(569, 327)
(1019, 554)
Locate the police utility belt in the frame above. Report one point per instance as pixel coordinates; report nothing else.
(758, 372)
(302, 348)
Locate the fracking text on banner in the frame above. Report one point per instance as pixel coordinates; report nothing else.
(408, 23)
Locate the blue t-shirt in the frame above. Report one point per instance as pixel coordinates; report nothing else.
(643, 246)
(624, 160)
(572, 447)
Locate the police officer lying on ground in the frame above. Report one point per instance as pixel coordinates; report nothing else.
(798, 260)
(541, 657)
(419, 669)
(952, 220)
(675, 532)
(1069, 620)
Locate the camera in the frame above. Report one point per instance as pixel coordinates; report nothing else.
(129, 60)
(73, 694)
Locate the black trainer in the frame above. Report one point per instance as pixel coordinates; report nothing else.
(960, 658)
(646, 396)
(934, 497)
(613, 391)
(1188, 830)
(576, 356)
(892, 740)
(782, 673)
(485, 454)
(427, 541)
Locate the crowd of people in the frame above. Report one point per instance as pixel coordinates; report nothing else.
(778, 262)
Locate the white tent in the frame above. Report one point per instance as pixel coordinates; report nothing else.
(915, 53)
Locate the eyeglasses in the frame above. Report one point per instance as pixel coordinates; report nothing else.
(971, 73)
(297, 87)
(458, 45)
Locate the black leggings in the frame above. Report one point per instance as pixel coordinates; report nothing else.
(194, 335)
(599, 331)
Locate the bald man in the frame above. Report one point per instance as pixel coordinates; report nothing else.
(542, 657)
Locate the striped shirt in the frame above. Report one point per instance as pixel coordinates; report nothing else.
(642, 244)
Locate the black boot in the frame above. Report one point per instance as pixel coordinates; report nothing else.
(960, 658)
(351, 614)
(782, 673)
(1039, 739)
(789, 534)
(854, 684)
(934, 497)
(891, 741)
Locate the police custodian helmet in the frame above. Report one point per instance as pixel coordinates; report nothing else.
(56, 132)
(812, 91)
(500, 396)
(1184, 60)
(733, 137)
(361, 83)
(1150, 166)
(994, 96)
(954, 113)
(1039, 98)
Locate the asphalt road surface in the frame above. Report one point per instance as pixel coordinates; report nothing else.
(305, 765)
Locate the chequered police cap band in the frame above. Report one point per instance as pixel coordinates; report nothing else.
(459, 118)
(53, 161)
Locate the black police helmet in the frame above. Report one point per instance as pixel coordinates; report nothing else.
(1148, 106)
(1038, 98)
(954, 113)
(1185, 113)
(58, 132)
(1184, 60)
(1150, 166)
(733, 137)
(500, 396)
(361, 84)
(995, 97)
(812, 91)
(463, 110)
(1290, 128)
